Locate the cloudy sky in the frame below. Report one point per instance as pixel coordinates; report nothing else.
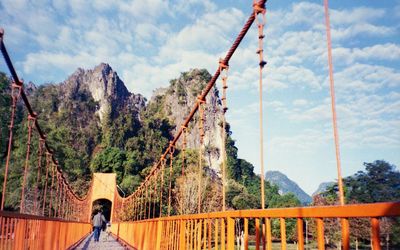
(150, 42)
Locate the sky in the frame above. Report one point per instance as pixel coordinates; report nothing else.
(151, 42)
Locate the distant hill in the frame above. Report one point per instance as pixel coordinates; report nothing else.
(322, 187)
(286, 185)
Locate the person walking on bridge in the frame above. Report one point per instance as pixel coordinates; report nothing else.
(98, 220)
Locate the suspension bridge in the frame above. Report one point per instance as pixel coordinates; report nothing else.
(61, 219)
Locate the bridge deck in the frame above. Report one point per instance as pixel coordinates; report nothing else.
(106, 242)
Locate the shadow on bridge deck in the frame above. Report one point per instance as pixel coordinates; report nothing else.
(106, 242)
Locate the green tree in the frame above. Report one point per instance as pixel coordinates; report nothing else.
(111, 160)
(5, 104)
(378, 183)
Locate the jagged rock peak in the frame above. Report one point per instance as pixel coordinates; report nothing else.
(323, 187)
(287, 185)
(178, 99)
(105, 86)
(30, 88)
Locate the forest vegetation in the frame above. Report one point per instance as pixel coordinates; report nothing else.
(128, 144)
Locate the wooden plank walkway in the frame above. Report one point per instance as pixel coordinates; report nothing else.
(106, 242)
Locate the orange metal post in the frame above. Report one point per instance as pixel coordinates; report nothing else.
(205, 233)
(174, 234)
(159, 233)
(223, 232)
(182, 243)
(209, 234)
(345, 234)
(216, 230)
(2, 230)
(231, 233)
(199, 229)
(376, 242)
(263, 233)
(300, 232)
(187, 233)
(269, 234)
(192, 234)
(19, 232)
(257, 234)
(320, 234)
(246, 234)
(177, 234)
(283, 234)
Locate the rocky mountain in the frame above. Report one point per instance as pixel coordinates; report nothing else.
(322, 187)
(286, 185)
(105, 87)
(92, 118)
(94, 124)
(177, 100)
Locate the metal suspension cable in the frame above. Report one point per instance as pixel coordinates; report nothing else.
(38, 177)
(65, 192)
(183, 168)
(15, 92)
(344, 221)
(28, 151)
(171, 157)
(162, 184)
(48, 156)
(259, 10)
(201, 133)
(333, 103)
(145, 200)
(224, 71)
(155, 195)
(210, 84)
(18, 85)
(51, 189)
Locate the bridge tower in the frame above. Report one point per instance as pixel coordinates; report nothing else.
(104, 187)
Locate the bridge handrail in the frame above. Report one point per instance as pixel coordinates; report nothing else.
(223, 229)
(381, 209)
(17, 215)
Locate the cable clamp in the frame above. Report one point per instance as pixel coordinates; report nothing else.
(200, 100)
(259, 8)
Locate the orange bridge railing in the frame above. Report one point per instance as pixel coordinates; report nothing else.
(248, 228)
(22, 231)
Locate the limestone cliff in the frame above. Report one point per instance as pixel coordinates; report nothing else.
(105, 87)
(177, 101)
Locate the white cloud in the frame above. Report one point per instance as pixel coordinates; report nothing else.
(300, 102)
(356, 15)
(207, 33)
(305, 141)
(315, 114)
(149, 10)
(366, 78)
(361, 29)
(388, 52)
(60, 61)
(190, 7)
